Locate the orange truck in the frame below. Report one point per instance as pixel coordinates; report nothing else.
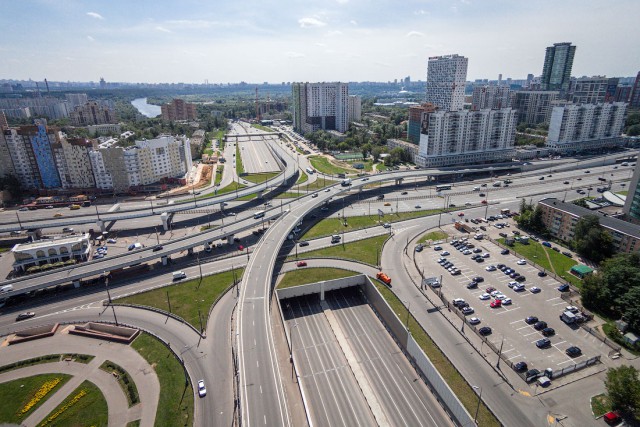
(383, 277)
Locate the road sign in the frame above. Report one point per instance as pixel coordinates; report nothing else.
(380, 213)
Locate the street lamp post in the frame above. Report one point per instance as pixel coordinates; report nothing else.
(475, 418)
(106, 285)
(19, 223)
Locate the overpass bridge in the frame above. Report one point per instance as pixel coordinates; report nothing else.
(249, 135)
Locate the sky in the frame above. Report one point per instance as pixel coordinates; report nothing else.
(307, 40)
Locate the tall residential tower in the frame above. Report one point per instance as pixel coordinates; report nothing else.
(446, 77)
(556, 73)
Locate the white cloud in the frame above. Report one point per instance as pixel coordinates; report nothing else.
(311, 23)
(294, 55)
(95, 15)
(342, 1)
(421, 12)
(321, 44)
(353, 22)
(91, 39)
(415, 34)
(334, 33)
(163, 29)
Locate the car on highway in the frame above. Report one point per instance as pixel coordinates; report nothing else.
(303, 243)
(474, 321)
(484, 331)
(404, 193)
(301, 264)
(543, 343)
(314, 195)
(202, 390)
(387, 204)
(157, 248)
(327, 190)
(566, 182)
(573, 351)
(418, 207)
(386, 225)
(23, 316)
(23, 209)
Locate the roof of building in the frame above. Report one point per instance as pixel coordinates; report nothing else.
(606, 221)
(582, 269)
(44, 244)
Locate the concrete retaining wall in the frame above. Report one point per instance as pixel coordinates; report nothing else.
(318, 288)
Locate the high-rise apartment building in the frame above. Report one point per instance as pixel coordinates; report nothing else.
(178, 109)
(92, 113)
(446, 78)
(355, 108)
(467, 137)
(6, 165)
(592, 90)
(533, 106)
(632, 204)
(558, 61)
(76, 99)
(418, 119)
(634, 101)
(320, 106)
(3, 121)
(491, 97)
(73, 162)
(586, 126)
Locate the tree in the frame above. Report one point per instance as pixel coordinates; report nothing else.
(631, 307)
(633, 130)
(366, 149)
(375, 152)
(623, 388)
(591, 240)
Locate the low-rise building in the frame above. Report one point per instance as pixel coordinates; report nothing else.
(560, 219)
(50, 251)
(411, 149)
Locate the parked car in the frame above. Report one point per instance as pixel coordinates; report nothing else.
(531, 320)
(490, 289)
(301, 264)
(535, 290)
(543, 343)
(484, 331)
(520, 366)
(564, 288)
(478, 279)
(541, 274)
(474, 321)
(496, 303)
(548, 332)
(540, 325)
(472, 285)
(467, 310)
(521, 262)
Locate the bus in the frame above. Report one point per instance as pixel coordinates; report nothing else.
(443, 187)
(310, 171)
(259, 214)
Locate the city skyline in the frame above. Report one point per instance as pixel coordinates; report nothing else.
(344, 40)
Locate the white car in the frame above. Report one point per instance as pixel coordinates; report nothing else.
(534, 289)
(202, 390)
(521, 262)
(491, 268)
(327, 190)
(485, 297)
(466, 252)
(506, 301)
(474, 321)
(501, 297)
(512, 284)
(485, 255)
(111, 241)
(445, 253)
(386, 225)
(467, 310)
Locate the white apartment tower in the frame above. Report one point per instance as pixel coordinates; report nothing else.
(320, 106)
(446, 77)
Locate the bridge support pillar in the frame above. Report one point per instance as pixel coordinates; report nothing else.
(322, 291)
(165, 221)
(259, 194)
(76, 283)
(102, 226)
(399, 181)
(207, 246)
(165, 259)
(190, 251)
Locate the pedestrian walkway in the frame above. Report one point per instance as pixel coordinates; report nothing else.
(123, 355)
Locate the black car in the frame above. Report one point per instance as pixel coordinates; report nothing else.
(479, 259)
(532, 374)
(503, 234)
(477, 250)
(157, 248)
(481, 194)
(563, 288)
(548, 332)
(404, 193)
(501, 267)
(567, 254)
(478, 279)
(540, 325)
(520, 279)
(472, 285)
(514, 275)
(504, 251)
(573, 351)
(543, 343)
(541, 274)
(531, 320)
(484, 331)
(520, 366)
(303, 243)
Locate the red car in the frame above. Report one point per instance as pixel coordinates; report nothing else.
(490, 289)
(612, 418)
(240, 248)
(301, 264)
(496, 303)
(461, 214)
(484, 202)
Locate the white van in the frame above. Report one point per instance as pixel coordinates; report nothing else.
(179, 275)
(6, 288)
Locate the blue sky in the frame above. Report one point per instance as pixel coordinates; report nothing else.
(275, 41)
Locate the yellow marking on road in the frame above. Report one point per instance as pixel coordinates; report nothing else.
(524, 393)
(551, 419)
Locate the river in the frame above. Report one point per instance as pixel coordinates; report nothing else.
(148, 110)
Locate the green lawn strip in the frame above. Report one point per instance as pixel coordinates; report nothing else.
(49, 358)
(188, 297)
(4, 249)
(289, 195)
(322, 165)
(15, 394)
(600, 405)
(302, 178)
(454, 379)
(88, 410)
(622, 192)
(124, 379)
(218, 178)
(328, 226)
(433, 236)
(318, 184)
(175, 405)
(264, 128)
(135, 423)
(313, 275)
(365, 250)
(239, 165)
(247, 197)
(229, 189)
(259, 178)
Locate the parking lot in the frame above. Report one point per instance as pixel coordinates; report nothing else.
(509, 330)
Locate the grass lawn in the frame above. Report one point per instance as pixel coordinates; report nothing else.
(239, 165)
(555, 261)
(175, 405)
(289, 195)
(247, 197)
(124, 379)
(365, 250)
(622, 192)
(322, 165)
(600, 405)
(219, 171)
(135, 423)
(456, 382)
(49, 358)
(302, 178)
(259, 178)
(88, 410)
(317, 184)
(229, 189)
(15, 394)
(264, 128)
(313, 275)
(4, 250)
(434, 236)
(187, 297)
(328, 226)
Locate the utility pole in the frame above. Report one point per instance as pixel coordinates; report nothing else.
(500, 353)
(19, 223)
(106, 285)
(169, 302)
(157, 236)
(151, 202)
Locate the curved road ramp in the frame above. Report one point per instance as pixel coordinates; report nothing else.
(356, 363)
(121, 334)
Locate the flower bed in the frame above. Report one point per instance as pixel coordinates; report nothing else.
(40, 394)
(59, 412)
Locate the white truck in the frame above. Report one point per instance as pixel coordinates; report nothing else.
(497, 184)
(6, 288)
(568, 317)
(346, 182)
